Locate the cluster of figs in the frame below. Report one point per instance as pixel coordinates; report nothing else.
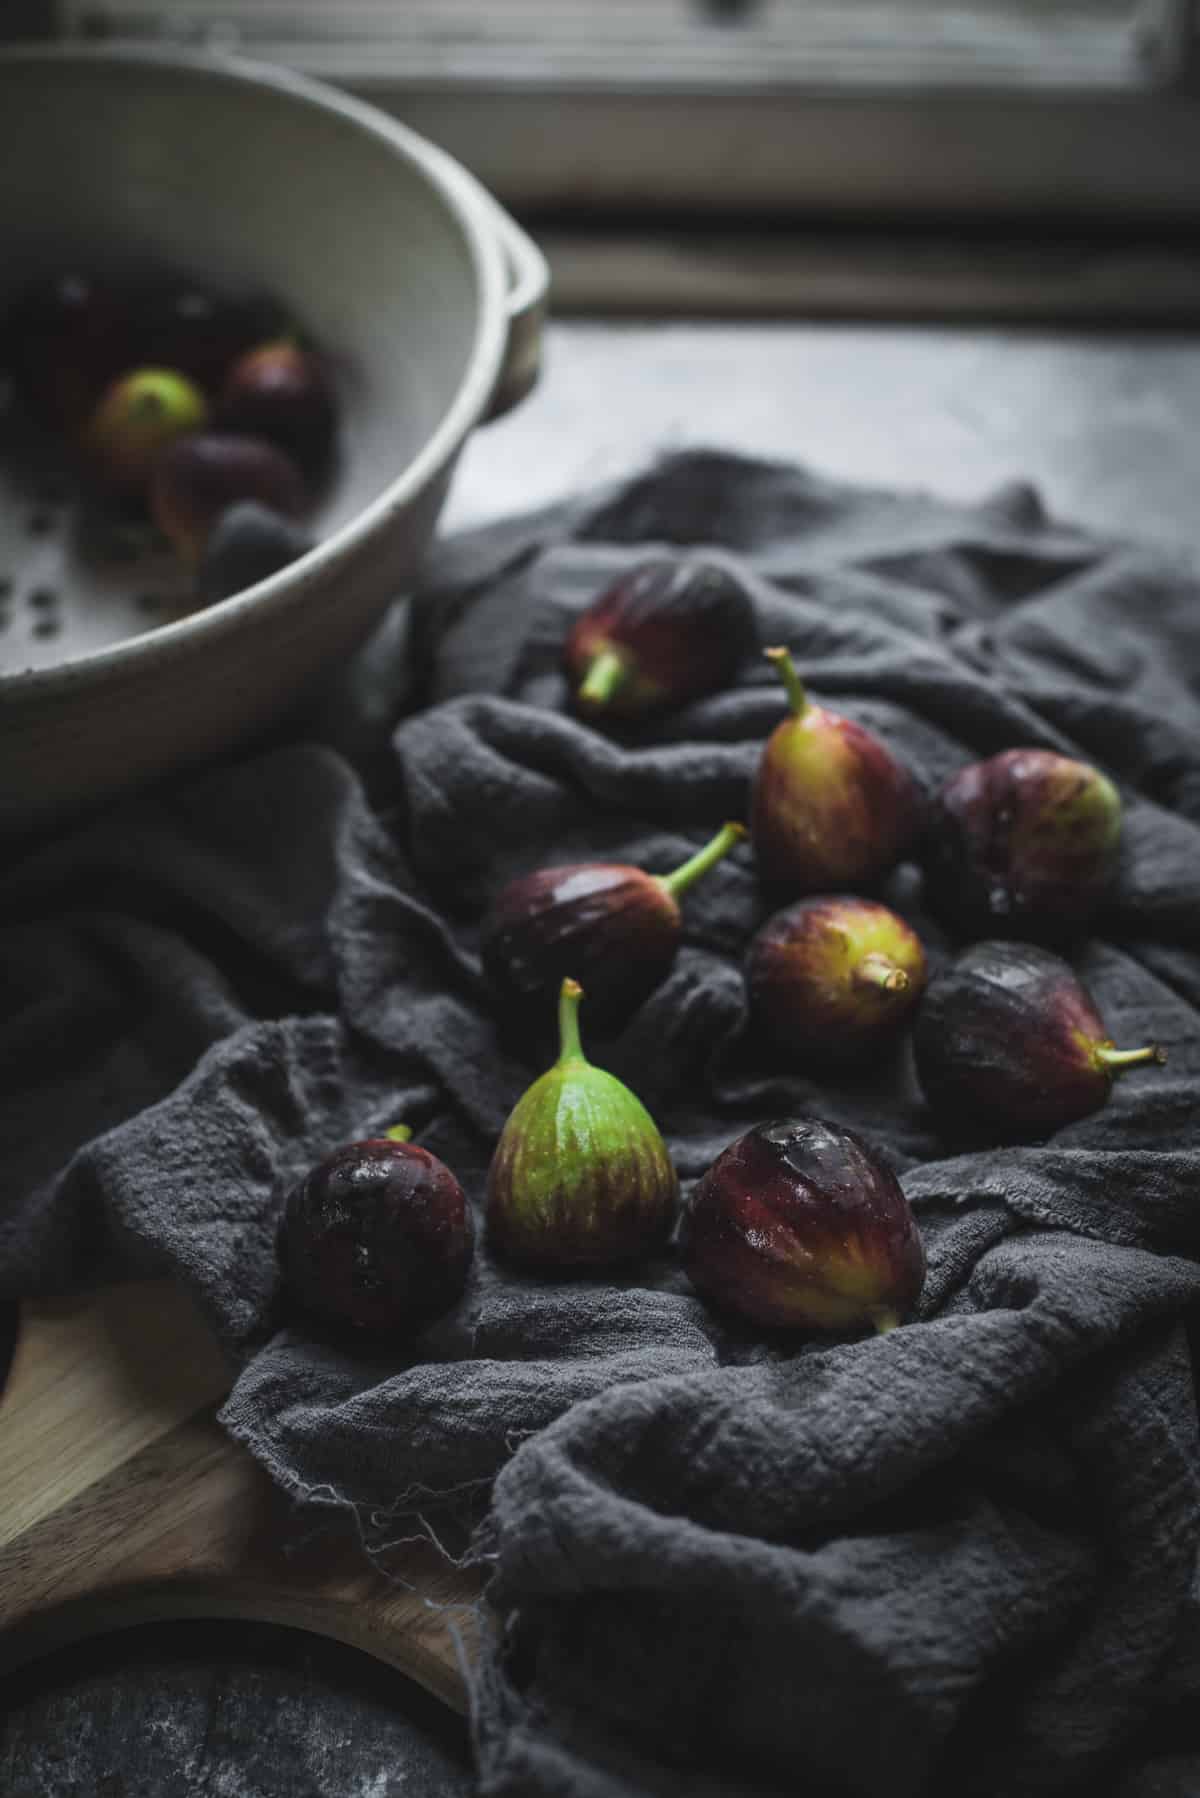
(799, 1224)
(200, 413)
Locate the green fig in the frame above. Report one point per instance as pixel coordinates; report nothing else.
(831, 806)
(581, 1176)
(834, 980)
(137, 418)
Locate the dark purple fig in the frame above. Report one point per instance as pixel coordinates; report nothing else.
(198, 478)
(200, 332)
(833, 981)
(248, 543)
(832, 807)
(610, 924)
(581, 1177)
(799, 1225)
(1009, 1042)
(666, 632)
(63, 341)
(138, 416)
(281, 392)
(1024, 844)
(378, 1236)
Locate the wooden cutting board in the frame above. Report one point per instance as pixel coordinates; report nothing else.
(122, 1501)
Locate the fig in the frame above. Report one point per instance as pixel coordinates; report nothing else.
(138, 416)
(614, 926)
(281, 392)
(799, 1225)
(379, 1236)
(1008, 1040)
(832, 807)
(1024, 844)
(834, 980)
(64, 340)
(198, 478)
(199, 332)
(247, 543)
(666, 632)
(580, 1177)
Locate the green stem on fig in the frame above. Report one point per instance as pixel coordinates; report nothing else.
(398, 1133)
(606, 675)
(569, 1046)
(885, 1320)
(704, 859)
(797, 697)
(878, 970)
(1117, 1060)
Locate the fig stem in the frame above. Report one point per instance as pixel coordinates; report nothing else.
(606, 675)
(885, 1320)
(782, 660)
(398, 1133)
(1116, 1060)
(879, 970)
(704, 859)
(569, 1046)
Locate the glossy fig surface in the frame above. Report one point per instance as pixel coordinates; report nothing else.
(581, 1176)
(800, 1225)
(1008, 1041)
(831, 807)
(609, 924)
(666, 632)
(379, 1236)
(137, 417)
(834, 980)
(198, 478)
(1024, 844)
(283, 393)
(198, 330)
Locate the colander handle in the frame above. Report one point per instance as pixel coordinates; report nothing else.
(529, 285)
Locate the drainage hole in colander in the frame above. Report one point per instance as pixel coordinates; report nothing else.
(41, 523)
(43, 599)
(47, 627)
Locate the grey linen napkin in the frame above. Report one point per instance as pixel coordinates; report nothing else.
(960, 1558)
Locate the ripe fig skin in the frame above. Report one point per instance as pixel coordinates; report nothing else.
(198, 330)
(1009, 1042)
(581, 1177)
(379, 1237)
(64, 340)
(834, 980)
(137, 418)
(610, 925)
(282, 392)
(1024, 844)
(799, 1225)
(197, 478)
(666, 632)
(831, 806)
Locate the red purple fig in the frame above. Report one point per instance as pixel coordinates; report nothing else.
(1008, 1042)
(799, 1225)
(666, 632)
(833, 981)
(612, 925)
(581, 1177)
(199, 331)
(379, 1236)
(1024, 844)
(197, 478)
(63, 341)
(832, 807)
(282, 392)
(138, 416)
